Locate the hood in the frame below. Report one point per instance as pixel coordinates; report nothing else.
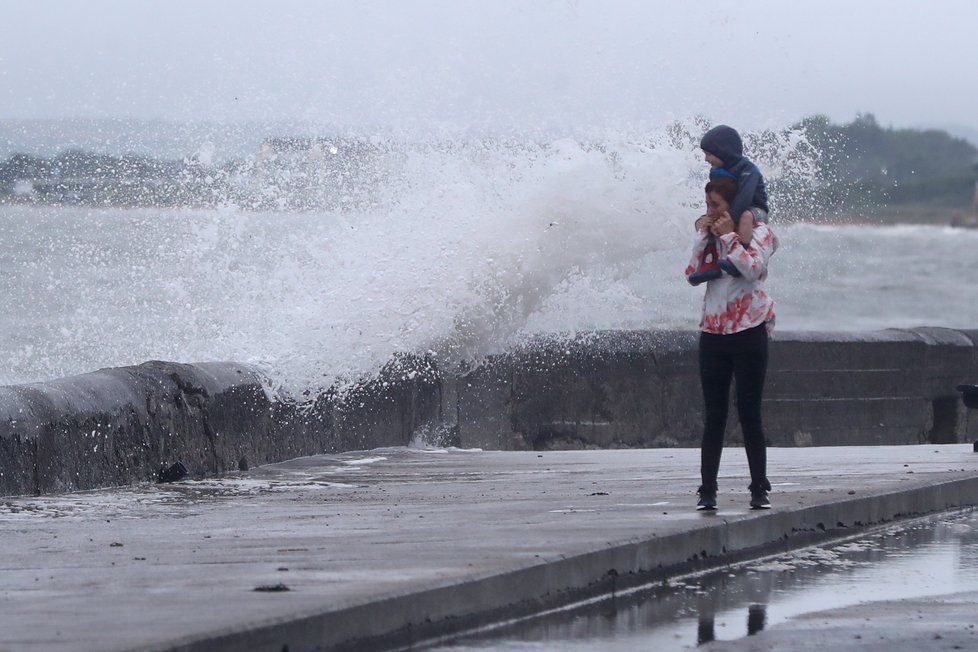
(724, 143)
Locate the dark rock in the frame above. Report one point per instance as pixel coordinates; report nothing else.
(969, 394)
(174, 473)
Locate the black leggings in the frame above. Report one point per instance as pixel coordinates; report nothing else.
(741, 356)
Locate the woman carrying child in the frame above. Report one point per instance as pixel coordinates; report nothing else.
(738, 316)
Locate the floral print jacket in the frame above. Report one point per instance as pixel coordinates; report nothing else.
(733, 304)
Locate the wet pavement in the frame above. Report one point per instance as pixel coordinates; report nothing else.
(331, 551)
(933, 558)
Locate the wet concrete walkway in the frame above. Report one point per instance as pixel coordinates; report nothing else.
(331, 551)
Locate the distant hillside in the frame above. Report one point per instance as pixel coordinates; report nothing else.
(864, 168)
(969, 134)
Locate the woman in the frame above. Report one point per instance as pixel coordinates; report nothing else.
(738, 316)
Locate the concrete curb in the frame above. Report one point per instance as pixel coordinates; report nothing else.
(437, 610)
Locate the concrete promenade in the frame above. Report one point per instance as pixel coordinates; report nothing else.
(359, 550)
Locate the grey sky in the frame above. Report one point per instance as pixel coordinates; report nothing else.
(451, 64)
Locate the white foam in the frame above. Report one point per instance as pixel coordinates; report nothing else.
(452, 249)
(363, 461)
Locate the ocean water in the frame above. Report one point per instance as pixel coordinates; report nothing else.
(456, 251)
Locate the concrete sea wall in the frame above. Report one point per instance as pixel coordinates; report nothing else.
(123, 425)
(636, 389)
(597, 390)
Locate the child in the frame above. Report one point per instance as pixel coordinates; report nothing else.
(724, 151)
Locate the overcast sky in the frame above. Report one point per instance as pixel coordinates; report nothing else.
(491, 63)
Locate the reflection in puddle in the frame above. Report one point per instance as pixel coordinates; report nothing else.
(706, 626)
(926, 557)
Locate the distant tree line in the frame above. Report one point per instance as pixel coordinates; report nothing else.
(848, 169)
(288, 173)
(862, 164)
(80, 177)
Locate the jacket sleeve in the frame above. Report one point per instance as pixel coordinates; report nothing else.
(700, 241)
(751, 261)
(747, 180)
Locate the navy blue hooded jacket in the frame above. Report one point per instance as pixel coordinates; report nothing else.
(724, 143)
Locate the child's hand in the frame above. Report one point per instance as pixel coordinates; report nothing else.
(722, 225)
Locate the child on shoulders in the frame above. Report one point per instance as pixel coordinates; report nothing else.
(723, 149)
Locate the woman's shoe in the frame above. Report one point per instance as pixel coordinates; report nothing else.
(759, 500)
(708, 500)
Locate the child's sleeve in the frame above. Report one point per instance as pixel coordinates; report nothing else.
(747, 182)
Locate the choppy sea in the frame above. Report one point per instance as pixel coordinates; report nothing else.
(316, 297)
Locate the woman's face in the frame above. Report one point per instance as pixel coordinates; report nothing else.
(715, 205)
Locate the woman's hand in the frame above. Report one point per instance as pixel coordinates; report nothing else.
(722, 225)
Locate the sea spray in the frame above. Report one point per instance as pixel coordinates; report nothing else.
(452, 248)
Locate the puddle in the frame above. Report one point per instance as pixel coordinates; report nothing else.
(925, 557)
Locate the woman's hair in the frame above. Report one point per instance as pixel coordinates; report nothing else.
(725, 187)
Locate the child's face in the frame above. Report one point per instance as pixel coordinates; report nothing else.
(712, 160)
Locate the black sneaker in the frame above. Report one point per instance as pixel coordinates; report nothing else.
(758, 499)
(708, 500)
